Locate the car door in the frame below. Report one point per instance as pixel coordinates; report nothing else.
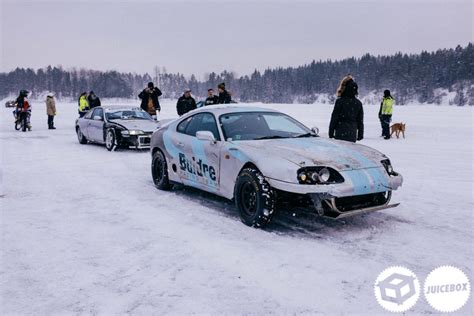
(199, 161)
(83, 123)
(95, 129)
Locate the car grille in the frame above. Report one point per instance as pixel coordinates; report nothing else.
(360, 201)
(144, 140)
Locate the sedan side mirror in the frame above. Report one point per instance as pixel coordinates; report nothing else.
(97, 118)
(315, 130)
(206, 136)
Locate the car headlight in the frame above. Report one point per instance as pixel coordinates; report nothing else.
(302, 177)
(388, 167)
(319, 175)
(132, 132)
(324, 175)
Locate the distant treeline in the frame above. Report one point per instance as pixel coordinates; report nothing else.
(414, 77)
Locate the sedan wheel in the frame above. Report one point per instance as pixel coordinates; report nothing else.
(254, 198)
(110, 140)
(159, 171)
(82, 139)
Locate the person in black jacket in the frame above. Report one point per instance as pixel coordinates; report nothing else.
(94, 100)
(211, 98)
(347, 119)
(185, 103)
(224, 96)
(149, 97)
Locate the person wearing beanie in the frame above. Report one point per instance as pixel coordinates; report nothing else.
(224, 95)
(149, 97)
(385, 113)
(93, 100)
(50, 110)
(347, 119)
(185, 103)
(211, 98)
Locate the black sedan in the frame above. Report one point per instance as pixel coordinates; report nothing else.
(116, 127)
(10, 104)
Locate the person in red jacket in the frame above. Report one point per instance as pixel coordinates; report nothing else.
(23, 107)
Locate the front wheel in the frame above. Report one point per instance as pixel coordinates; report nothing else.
(110, 142)
(254, 198)
(159, 171)
(82, 139)
(18, 125)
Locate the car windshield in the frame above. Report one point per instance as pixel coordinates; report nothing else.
(261, 125)
(127, 115)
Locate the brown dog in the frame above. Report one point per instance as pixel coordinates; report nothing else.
(398, 128)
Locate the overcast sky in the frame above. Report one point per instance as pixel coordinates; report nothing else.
(203, 36)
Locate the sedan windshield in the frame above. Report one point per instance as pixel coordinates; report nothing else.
(128, 115)
(261, 125)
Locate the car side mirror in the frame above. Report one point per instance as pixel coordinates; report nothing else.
(315, 130)
(206, 136)
(97, 118)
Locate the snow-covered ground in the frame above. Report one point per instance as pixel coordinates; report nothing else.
(83, 230)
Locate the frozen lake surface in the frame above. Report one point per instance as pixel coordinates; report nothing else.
(84, 230)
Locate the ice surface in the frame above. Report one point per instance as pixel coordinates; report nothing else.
(85, 231)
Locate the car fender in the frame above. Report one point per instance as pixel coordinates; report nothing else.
(163, 139)
(235, 157)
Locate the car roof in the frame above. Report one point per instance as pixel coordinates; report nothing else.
(220, 109)
(109, 108)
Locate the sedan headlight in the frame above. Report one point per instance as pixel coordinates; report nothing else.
(132, 132)
(319, 175)
(324, 175)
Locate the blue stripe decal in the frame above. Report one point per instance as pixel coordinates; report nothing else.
(236, 153)
(169, 146)
(199, 152)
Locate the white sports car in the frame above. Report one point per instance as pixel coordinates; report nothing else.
(261, 157)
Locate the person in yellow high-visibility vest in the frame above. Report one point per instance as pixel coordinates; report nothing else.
(385, 113)
(83, 104)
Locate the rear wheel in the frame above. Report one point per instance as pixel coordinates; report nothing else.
(82, 139)
(254, 198)
(159, 171)
(110, 142)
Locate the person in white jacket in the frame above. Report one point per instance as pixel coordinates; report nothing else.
(50, 110)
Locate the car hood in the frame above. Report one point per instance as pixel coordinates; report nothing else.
(316, 151)
(142, 125)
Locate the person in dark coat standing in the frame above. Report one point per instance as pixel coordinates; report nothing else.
(347, 119)
(185, 103)
(149, 97)
(224, 95)
(211, 98)
(93, 100)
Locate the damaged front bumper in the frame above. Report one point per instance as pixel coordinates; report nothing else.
(338, 208)
(137, 142)
(341, 200)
